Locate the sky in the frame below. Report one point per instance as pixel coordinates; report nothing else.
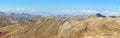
(59, 7)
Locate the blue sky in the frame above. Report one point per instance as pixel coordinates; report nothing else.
(54, 7)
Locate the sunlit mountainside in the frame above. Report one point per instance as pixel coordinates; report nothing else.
(66, 26)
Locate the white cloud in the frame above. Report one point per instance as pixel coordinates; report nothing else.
(79, 10)
(89, 11)
(4, 9)
(109, 13)
(18, 9)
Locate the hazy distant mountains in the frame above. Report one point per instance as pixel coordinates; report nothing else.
(19, 17)
(26, 17)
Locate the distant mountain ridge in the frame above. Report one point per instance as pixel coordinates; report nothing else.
(21, 17)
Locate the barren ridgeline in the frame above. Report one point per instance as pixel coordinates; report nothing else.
(64, 27)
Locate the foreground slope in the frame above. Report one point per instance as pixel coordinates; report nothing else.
(64, 28)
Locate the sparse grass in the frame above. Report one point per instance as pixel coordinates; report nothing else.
(63, 28)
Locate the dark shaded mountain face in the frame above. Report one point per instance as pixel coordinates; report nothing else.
(99, 15)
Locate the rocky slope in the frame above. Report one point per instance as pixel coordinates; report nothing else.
(68, 26)
(63, 28)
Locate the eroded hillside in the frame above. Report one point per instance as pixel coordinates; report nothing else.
(63, 28)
